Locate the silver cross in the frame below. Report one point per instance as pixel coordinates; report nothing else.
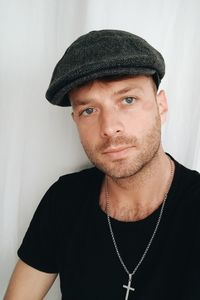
(128, 287)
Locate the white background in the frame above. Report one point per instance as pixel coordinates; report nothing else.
(38, 141)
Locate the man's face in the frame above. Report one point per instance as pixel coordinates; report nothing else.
(119, 123)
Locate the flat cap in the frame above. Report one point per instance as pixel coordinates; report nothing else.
(102, 53)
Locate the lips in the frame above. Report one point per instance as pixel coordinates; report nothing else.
(117, 153)
(116, 149)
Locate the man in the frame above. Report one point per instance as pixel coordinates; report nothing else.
(129, 227)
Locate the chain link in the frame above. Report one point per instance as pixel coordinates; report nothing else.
(154, 232)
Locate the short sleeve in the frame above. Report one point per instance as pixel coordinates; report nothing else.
(39, 248)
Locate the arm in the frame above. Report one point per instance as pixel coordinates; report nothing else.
(28, 283)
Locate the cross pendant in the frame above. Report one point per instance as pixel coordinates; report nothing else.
(128, 287)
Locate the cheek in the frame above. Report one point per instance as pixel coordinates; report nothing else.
(149, 105)
(88, 129)
(87, 136)
(140, 121)
(150, 112)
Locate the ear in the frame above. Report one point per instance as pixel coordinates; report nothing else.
(162, 105)
(73, 116)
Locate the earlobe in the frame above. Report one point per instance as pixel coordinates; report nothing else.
(72, 114)
(162, 105)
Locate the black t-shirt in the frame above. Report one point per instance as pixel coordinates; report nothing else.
(69, 235)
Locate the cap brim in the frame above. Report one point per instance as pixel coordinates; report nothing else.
(57, 94)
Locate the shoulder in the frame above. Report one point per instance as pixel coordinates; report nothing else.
(190, 179)
(70, 190)
(82, 176)
(187, 186)
(67, 198)
(78, 182)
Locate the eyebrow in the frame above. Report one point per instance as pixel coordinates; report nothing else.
(82, 102)
(79, 102)
(125, 90)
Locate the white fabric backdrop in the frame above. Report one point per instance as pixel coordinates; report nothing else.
(38, 142)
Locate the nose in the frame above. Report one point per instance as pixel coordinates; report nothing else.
(111, 124)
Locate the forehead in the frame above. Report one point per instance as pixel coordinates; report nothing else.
(114, 86)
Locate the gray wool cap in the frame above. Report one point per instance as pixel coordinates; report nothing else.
(99, 54)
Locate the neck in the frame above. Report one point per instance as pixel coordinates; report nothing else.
(136, 197)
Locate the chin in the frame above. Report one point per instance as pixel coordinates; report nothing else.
(125, 168)
(118, 169)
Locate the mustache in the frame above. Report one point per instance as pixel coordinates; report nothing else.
(116, 141)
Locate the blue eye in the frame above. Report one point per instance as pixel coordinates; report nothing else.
(88, 111)
(129, 100)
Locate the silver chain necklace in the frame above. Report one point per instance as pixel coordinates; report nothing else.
(130, 275)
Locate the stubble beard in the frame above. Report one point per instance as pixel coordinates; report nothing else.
(144, 151)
